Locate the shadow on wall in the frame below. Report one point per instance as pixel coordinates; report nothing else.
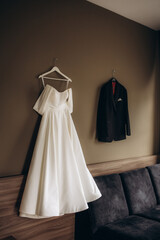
(156, 139)
(93, 124)
(31, 147)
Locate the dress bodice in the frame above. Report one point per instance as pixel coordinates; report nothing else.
(50, 98)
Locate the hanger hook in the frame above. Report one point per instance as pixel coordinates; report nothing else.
(55, 60)
(113, 72)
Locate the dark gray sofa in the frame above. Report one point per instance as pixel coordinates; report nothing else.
(129, 208)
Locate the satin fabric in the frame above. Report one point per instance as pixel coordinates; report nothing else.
(58, 181)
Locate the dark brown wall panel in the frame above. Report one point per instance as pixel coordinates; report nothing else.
(89, 42)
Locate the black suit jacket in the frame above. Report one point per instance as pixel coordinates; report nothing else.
(112, 116)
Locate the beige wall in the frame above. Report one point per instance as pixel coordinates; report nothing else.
(89, 42)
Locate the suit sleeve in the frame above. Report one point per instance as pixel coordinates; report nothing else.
(127, 121)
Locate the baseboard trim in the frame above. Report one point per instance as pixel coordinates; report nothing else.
(122, 165)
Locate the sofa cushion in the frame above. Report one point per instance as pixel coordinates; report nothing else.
(112, 205)
(139, 190)
(153, 214)
(154, 172)
(130, 228)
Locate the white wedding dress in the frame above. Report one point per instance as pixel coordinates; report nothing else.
(58, 181)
